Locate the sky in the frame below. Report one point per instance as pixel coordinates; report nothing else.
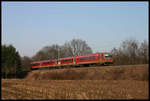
(30, 26)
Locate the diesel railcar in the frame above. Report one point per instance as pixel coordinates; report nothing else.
(84, 60)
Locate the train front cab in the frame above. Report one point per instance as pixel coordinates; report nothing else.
(107, 59)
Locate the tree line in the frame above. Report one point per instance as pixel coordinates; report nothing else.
(129, 52)
(15, 66)
(11, 62)
(75, 47)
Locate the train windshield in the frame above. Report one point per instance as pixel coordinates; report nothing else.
(107, 56)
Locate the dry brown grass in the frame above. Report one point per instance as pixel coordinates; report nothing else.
(116, 82)
(128, 72)
(74, 89)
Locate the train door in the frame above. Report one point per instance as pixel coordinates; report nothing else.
(101, 58)
(98, 57)
(58, 61)
(74, 60)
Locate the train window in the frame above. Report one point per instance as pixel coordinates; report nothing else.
(108, 57)
(84, 58)
(67, 60)
(35, 64)
(88, 58)
(49, 62)
(46, 63)
(92, 57)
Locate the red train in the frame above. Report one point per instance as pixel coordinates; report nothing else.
(97, 58)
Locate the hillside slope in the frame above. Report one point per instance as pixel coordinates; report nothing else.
(124, 72)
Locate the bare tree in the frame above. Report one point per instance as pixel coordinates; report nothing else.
(130, 53)
(79, 47)
(130, 49)
(144, 52)
(48, 52)
(75, 47)
(65, 50)
(26, 63)
(39, 56)
(127, 53)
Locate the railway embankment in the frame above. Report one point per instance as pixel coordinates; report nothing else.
(123, 72)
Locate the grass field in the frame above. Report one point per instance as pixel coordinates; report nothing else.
(36, 87)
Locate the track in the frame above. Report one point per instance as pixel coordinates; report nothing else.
(63, 67)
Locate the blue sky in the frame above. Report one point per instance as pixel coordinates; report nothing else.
(29, 26)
